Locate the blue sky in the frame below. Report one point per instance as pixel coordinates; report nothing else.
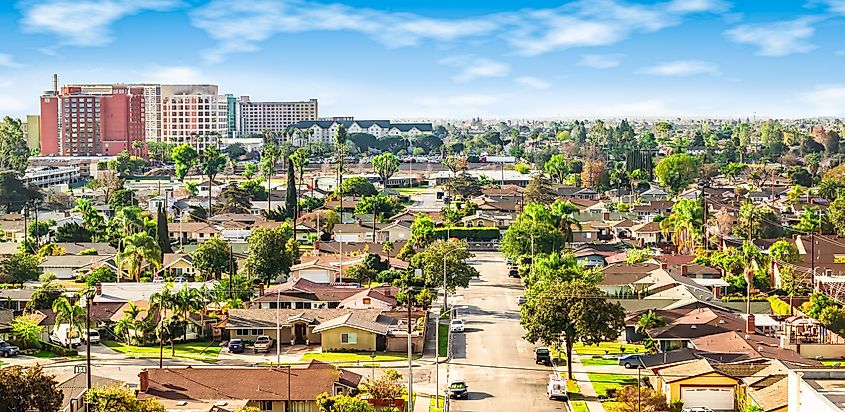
(446, 59)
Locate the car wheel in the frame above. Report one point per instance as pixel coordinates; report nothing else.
(5, 355)
(627, 365)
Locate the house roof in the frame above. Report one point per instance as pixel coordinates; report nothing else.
(265, 384)
(649, 227)
(69, 261)
(133, 292)
(267, 318)
(771, 397)
(21, 295)
(372, 294)
(753, 345)
(380, 325)
(77, 384)
(687, 370)
(73, 248)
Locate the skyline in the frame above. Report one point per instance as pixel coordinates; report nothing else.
(590, 58)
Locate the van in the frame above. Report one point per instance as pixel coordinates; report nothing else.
(557, 387)
(65, 335)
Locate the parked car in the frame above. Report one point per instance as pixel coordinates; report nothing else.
(263, 343)
(458, 389)
(92, 336)
(556, 389)
(456, 325)
(64, 335)
(631, 361)
(513, 273)
(520, 300)
(179, 279)
(236, 346)
(158, 279)
(8, 350)
(543, 356)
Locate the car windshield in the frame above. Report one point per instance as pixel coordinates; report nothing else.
(457, 385)
(458, 321)
(543, 351)
(235, 342)
(94, 333)
(4, 344)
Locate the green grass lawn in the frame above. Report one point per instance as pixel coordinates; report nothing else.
(432, 403)
(413, 190)
(355, 358)
(607, 348)
(833, 362)
(443, 332)
(598, 362)
(201, 351)
(579, 406)
(573, 391)
(603, 381)
(43, 354)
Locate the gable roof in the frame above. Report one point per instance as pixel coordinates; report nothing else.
(771, 397)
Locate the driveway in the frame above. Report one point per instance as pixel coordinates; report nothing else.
(497, 364)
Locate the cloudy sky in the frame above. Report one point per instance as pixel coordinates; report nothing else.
(452, 59)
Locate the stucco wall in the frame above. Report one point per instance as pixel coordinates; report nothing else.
(331, 340)
(710, 379)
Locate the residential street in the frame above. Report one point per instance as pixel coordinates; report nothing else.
(492, 357)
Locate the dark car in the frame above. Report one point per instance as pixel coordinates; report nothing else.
(236, 346)
(7, 350)
(458, 390)
(631, 361)
(513, 273)
(543, 356)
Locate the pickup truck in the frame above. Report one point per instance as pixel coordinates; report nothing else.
(8, 350)
(64, 335)
(262, 344)
(92, 336)
(543, 356)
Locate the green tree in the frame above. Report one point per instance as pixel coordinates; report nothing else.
(291, 194)
(72, 232)
(162, 234)
(574, 311)
(385, 206)
(19, 268)
(119, 398)
(211, 162)
(650, 320)
(91, 218)
(137, 249)
(343, 403)
(298, 163)
(685, 223)
(760, 220)
(676, 171)
(358, 186)
(249, 170)
(100, 274)
(44, 296)
(211, 258)
(121, 198)
(13, 149)
(14, 195)
(270, 255)
(340, 140)
(184, 156)
(25, 389)
(422, 231)
(463, 185)
(458, 272)
(386, 165)
(233, 199)
(733, 170)
(26, 330)
(784, 251)
(557, 168)
(836, 215)
(69, 313)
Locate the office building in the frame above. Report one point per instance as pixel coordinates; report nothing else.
(194, 114)
(257, 117)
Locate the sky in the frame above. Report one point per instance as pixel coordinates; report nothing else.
(398, 59)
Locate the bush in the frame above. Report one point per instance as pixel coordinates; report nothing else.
(58, 350)
(779, 307)
(477, 234)
(101, 274)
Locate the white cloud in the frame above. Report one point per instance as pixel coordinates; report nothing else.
(535, 83)
(83, 22)
(6, 60)
(600, 61)
(681, 68)
(175, 75)
(835, 6)
(828, 100)
(242, 26)
(474, 67)
(778, 38)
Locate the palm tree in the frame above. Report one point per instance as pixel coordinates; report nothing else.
(685, 224)
(299, 160)
(340, 150)
(563, 219)
(123, 326)
(137, 249)
(636, 176)
(160, 302)
(269, 157)
(649, 320)
(187, 300)
(829, 188)
(66, 312)
(386, 165)
(130, 220)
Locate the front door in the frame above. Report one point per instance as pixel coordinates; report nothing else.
(299, 333)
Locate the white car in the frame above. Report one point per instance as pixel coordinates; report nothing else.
(92, 336)
(456, 325)
(697, 409)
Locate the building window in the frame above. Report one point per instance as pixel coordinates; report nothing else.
(349, 338)
(266, 406)
(367, 301)
(255, 332)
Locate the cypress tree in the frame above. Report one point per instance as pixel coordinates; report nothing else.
(290, 192)
(162, 236)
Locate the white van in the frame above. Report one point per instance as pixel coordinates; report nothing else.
(65, 335)
(557, 387)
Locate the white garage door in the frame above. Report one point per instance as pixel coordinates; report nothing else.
(345, 237)
(319, 276)
(711, 397)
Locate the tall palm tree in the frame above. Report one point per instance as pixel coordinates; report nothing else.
(67, 312)
(187, 300)
(685, 224)
(636, 176)
(299, 160)
(130, 219)
(137, 249)
(563, 218)
(160, 303)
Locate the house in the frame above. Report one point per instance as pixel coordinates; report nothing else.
(69, 266)
(697, 384)
(598, 254)
(305, 294)
(12, 227)
(482, 219)
(393, 232)
(815, 389)
(648, 234)
(192, 231)
(587, 232)
(268, 389)
(328, 269)
(134, 292)
(15, 299)
(74, 389)
(6, 318)
(646, 212)
(391, 248)
(75, 248)
(369, 299)
(177, 265)
(653, 194)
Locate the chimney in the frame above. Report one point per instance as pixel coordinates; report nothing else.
(684, 270)
(750, 327)
(664, 266)
(260, 289)
(605, 215)
(145, 380)
(99, 288)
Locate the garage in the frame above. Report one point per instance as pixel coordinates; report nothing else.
(713, 397)
(315, 275)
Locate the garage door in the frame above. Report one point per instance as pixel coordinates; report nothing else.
(711, 397)
(319, 276)
(346, 238)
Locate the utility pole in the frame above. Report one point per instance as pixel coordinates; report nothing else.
(25, 226)
(231, 271)
(88, 303)
(704, 217)
(287, 406)
(410, 355)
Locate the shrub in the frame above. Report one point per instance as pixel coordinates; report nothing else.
(477, 234)
(779, 307)
(58, 350)
(87, 252)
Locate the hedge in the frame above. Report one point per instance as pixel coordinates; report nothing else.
(58, 350)
(478, 234)
(779, 307)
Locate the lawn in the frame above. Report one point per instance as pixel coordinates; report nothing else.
(432, 405)
(579, 406)
(201, 351)
(43, 354)
(598, 362)
(607, 348)
(355, 358)
(443, 332)
(833, 362)
(602, 381)
(573, 391)
(414, 190)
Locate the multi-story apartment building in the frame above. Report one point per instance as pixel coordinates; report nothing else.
(324, 131)
(92, 120)
(257, 117)
(194, 114)
(46, 176)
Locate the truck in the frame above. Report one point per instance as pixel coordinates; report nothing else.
(65, 335)
(262, 343)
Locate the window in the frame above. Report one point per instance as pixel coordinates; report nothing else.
(367, 301)
(266, 405)
(255, 332)
(242, 332)
(349, 338)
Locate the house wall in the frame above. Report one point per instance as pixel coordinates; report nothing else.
(400, 343)
(181, 268)
(397, 233)
(359, 304)
(61, 273)
(818, 351)
(672, 390)
(279, 406)
(286, 333)
(585, 237)
(331, 340)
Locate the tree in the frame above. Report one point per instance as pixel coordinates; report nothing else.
(19, 268)
(650, 320)
(184, 156)
(13, 149)
(539, 190)
(455, 164)
(557, 168)
(384, 206)
(343, 403)
(269, 253)
(69, 313)
(298, 162)
(574, 311)
(233, 199)
(72, 232)
(14, 195)
(162, 234)
(340, 157)
(385, 165)
(463, 185)
(676, 171)
(360, 272)
(387, 386)
(830, 188)
(119, 398)
(358, 186)
(422, 230)
(137, 249)
(836, 215)
(593, 174)
(458, 272)
(784, 251)
(107, 180)
(100, 274)
(685, 223)
(290, 193)
(757, 222)
(121, 198)
(648, 400)
(24, 389)
(733, 170)
(26, 330)
(211, 162)
(211, 258)
(91, 218)
(249, 170)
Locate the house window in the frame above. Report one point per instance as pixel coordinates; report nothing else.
(242, 332)
(367, 302)
(266, 406)
(587, 235)
(255, 332)
(301, 305)
(349, 338)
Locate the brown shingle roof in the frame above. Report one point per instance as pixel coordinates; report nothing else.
(771, 397)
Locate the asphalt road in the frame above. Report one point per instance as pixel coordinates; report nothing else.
(491, 356)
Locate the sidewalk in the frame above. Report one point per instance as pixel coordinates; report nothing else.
(584, 384)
